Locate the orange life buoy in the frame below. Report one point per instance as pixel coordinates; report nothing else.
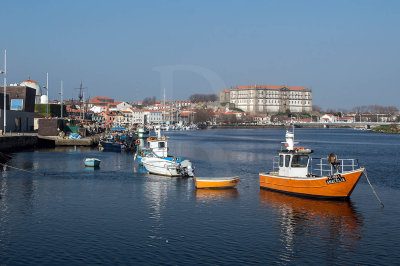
(137, 141)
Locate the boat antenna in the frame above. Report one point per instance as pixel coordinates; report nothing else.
(81, 96)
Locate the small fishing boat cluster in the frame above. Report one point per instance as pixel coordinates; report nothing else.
(293, 170)
(119, 139)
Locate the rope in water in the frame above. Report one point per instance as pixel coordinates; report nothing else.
(16, 168)
(373, 190)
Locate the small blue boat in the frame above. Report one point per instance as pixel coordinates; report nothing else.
(92, 162)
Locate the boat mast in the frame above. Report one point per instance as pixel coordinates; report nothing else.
(61, 94)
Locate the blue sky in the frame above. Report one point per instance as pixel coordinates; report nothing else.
(346, 51)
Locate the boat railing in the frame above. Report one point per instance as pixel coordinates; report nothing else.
(321, 166)
(275, 164)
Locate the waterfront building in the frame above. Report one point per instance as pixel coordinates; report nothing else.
(154, 117)
(98, 118)
(109, 117)
(262, 99)
(119, 119)
(138, 116)
(330, 118)
(99, 101)
(118, 106)
(187, 116)
(260, 119)
(181, 104)
(98, 109)
(20, 107)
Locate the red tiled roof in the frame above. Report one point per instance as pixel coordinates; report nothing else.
(185, 114)
(96, 101)
(234, 113)
(257, 116)
(268, 87)
(29, 80)
(99, 97)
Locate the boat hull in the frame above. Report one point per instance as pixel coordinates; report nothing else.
(169, 158)
(112, 146)
(216, 182)
(160, 166)
(337, 186)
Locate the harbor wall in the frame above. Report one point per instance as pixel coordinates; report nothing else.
(16, 142)
(17, 121)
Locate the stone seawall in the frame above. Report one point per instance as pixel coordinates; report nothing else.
(17, 142)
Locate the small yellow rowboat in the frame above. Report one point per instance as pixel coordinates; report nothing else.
(216, 182)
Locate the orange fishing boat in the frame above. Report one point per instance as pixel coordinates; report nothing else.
(295, 172)
(216, 182)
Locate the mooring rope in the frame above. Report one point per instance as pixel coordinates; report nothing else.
(373, 190)
(16, 168)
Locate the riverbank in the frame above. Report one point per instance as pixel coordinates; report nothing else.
(280, 126)
(392, 129)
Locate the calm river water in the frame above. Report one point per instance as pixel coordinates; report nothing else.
(121, 215)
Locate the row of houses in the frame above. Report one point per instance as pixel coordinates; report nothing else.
(131, 116)
(106, 111)
(359, 117)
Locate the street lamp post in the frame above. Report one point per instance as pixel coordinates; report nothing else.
(47, 89)
(5, 92)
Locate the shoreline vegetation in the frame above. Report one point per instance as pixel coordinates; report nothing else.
(391, 129)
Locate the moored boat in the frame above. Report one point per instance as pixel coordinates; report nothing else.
(92, 162)
(155, 146)
(161, 166)
(295, 172)
(216, 182)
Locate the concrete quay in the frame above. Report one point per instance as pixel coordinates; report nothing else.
(58, 141)
(12, 142)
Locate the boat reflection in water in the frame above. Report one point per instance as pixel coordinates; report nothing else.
(216, 194)
(335, 226)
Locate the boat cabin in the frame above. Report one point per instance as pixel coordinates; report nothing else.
(158, 144)
(293, 161)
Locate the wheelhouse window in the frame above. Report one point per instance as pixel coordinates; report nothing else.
(287, 160)
(280, 160)
(161, 144)
(300, 161)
